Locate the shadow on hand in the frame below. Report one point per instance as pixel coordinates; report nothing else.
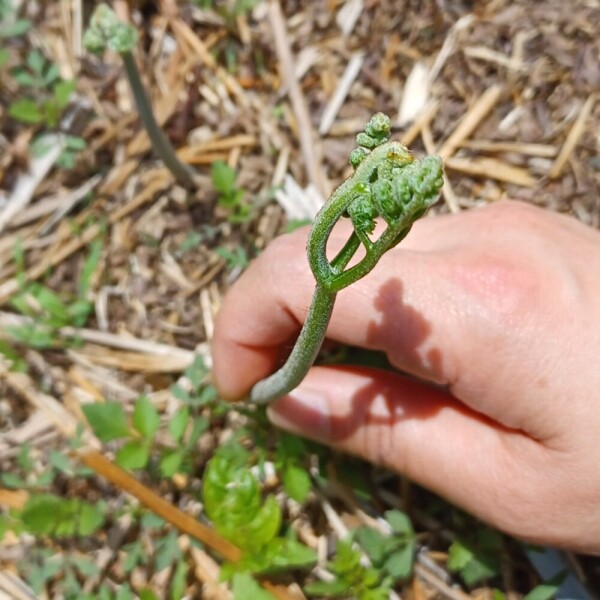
(391, 396)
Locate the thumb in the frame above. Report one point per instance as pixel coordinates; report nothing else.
(409, 427)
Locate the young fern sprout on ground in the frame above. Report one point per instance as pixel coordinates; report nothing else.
(387, 183)
(106, 31)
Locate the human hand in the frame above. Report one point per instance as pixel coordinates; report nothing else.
(497, 312)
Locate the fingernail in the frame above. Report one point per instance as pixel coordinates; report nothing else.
(303, 411)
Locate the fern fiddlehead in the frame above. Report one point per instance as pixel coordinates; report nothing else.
(388, 183)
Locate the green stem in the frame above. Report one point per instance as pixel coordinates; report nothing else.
(161, 144)
(303, 354)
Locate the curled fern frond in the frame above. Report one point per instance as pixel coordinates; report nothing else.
(107, 31)
(388, 183)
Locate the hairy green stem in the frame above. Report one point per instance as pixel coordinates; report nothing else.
(160, 142)
(304, 352)
(311, 337)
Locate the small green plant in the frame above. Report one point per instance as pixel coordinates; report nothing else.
(140, 448)
(233, 501)
(476, 559)
(231, 198)
(393, 554)
(46, 310)
(10, 24)
(291, 455)
(49, 94)
(387, 182)
(230, 9)
(106, 31)
(351, 578)
(71, 145)
(53, 516)
(236, 258)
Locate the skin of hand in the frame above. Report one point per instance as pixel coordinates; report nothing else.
(494, 314)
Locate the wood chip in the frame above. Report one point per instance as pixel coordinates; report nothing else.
(341, 91)
(492, 168)
(478, 111)
(415, 95)
(572, 138)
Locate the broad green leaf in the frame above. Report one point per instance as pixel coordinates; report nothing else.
(86, 566)
(178, 581)
(36, 61)
(133, 455)
(41, 145)
(43, 514)
(66, 160)
(199, 427)
(89, 268)
(178, 423)
(26, 111)
(145, 417)
(373, 542)
(32, 336)
(60, 462)
(51, 75)
(134, 555)
(171, 462)
(51, 303)
(399, 564)
(288, 553)
(18, 364)
(23, 78)
(62, 92)
(13, 481)
(107, 420)
(196, 372)
(400, 522)
(167, 551)
(223, 177)
(79, 312)
(150, 520)
(458, 556)
(24, 459)
(74, 142)
(124, 593)
(245, 587)
(296, 482)
(47, 514)
(327, 589)
(15, 29)
(548, 589)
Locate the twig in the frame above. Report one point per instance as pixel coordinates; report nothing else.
(492, 168)
(104, 338)
(440, 585)
(343, 87)
(307, 141)
(572, 138)
(28, 183)
(155, 185)
(69, 202)
(471, 120)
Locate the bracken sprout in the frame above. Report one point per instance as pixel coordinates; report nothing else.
(388, 183)
(107, 31)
